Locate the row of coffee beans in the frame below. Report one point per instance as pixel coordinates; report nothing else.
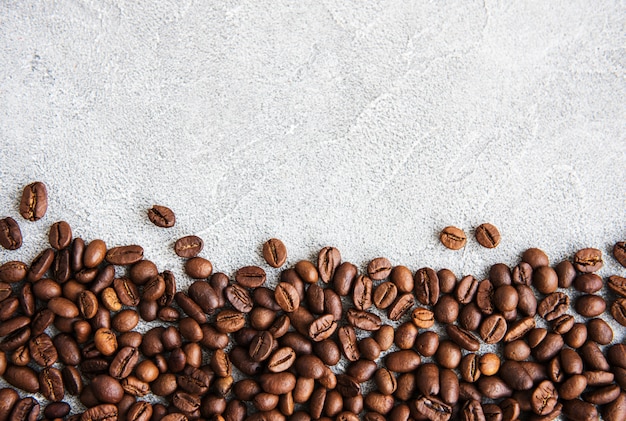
(326, 343)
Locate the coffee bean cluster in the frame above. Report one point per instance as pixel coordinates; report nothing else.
(235, 349)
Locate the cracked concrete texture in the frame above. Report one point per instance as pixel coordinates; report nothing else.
(364, 125)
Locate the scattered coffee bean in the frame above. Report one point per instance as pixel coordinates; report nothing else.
(161, 216)
(487, 235)
(453, 238)
(34, 202)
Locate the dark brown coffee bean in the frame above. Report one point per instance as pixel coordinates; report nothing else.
(328, 259)
(379, 268)
(573, 387)
(600, 331)
(535, 258)
(72, 380)
(139, 411)
(261, 346)
(493, 329)
(566, 273)
(616, 410)
(307, 271)
(198, 268)
(239, 298)
(365, 320)
(616, 355)
(469, 368)
(27, 299)
(464, 338)
(26, 409)
(378, 402)
(578, 410)
(466, 289)
(487, 235)
(103, 412)
(617, 284)
(446, 310)
(519, 329)
(301, 320)
(402, 278)
(470, 317)
(448, 354)
(588, 283)
(189, 246)
(348, 341)
(506, 298)
(618, 309)
(403, 304)
(6, 291)
(405, 335)
(522, 274)
(514, 374)
(51, 384)
(603, 395)
(287, 297)
(588, 260)
(593, 357)
(527, 303)
(24, 378)
(403, 361)
(548, 347)
(124, 255)
(143, 272)
(344, 278)
(61, 270)
(250, 276)
(10, 234)
(619, 252)
(275, 253)
(43, 350)
(385, 381)
(161, 216)
(124, 362)
(384, 295)
(545, 279)
(57, 410)
(591, 306)
(553, 306)
(277, 383)
(432, 408)
(329, 352)
(493, 387)
(322, 327)
(15, 340)
(185, 402)
(8, 307)
(60, 235)
(362, 292)
(472, 410)
(192, 309)
(453, 238)
(90, 256)
(484, 297)
(67, 348)
(427, 343)
(517, 350)
(426, 286)
(34, 202)
(13, 271)
(563, 324)
(8, 399)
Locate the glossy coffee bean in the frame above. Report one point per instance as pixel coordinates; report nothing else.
(34, 202)
(453, 238)
(10, 234)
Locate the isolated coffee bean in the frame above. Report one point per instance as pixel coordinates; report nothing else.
(487, 235)
(453, 238)
(161, 216)
(250, 276)
(189, 246)
(34, 202)
(10, 234)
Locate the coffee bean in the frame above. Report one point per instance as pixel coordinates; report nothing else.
(588, 283)
(105, 341)
(469, 369)
(493, 387)
(400, 307)
(448, 354)
(307, 271)
(402, 278)
(24, 378)
(590, 306)
(365, 320)
(426, 286)
(405, 335)
(72, 380)
(287, 297)
(322, 327)
(27, 299)
(379, 268)
(600, 331)
(51, 384)
(427, 343)
(617, 284)
(198, 268)
(124, 362)
(139, 411)
(473, 411)
(344, 278)
(34, 202)
(514, 374)
(328, 259)
(619, 252)
(161, 216)
(518, 350)
(453, 238)
(250, 276)
(43, 350)
(535, 258)
(362, 293)
(487, 235)
(446, 310)
(57, 410)
(60, 235)
(553, 306)
(463, 338)
(10, 234)
(124, 255)
(470, 317)
(384, 294)
(26, 409)
(13, 271)
(432, 408)
(93, 254)
(485, 297)
(348, 341)
(548, 347)
(519, 329)
(102, 412)
(593, 357)
(493, 329)
(588, 260)
(466, 289)
(618, 310)
(402, 361)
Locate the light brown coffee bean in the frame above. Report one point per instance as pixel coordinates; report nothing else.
(453, 238)
(487, 235)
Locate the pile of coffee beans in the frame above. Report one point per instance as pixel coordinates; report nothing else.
(327, 342)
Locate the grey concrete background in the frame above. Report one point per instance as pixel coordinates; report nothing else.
(364, 125)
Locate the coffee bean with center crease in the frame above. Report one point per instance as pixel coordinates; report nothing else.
(466, 289)
(363, 320)
(553, 306)
(432, 408)
(379, 268)
(322, 328)
(349, 344)
(13, 271)
(493, 329)
(261, 346)
(161, 216)
(26, 409)
(426, 286)
(40, 265)
(544, 398)
(250, 276)
(362, 292)
(384, 295)
(124, 362)
(453, 238)
(102, 412)
(124, 255)
(619, 252)
(328, 259)
(287, 297)
(51, 384)
(401, 306)
(42, 350)
(588, 260)
(487, 235)
(618, 311)
(34, 202)
(10, 234)
(60, 235)
(472, 410)
(463, 338)
(617, 284)
(139, 411)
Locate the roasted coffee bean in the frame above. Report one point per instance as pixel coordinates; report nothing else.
(493, 329)
(362, 293)
(103, 412)
(287, 297)
(553, 305)
(618, 309)
(487, 235)
(139, 411)
(402, 278)
(566, 273)
(27, 299)
(514, 374)
(493, 387)
(93, 254)
(72, 380)
(405, 335)
(57, 410)
(378, 402)
(8, 308)
(591, 306)
(126, 291)
(617, 284)
(535, 257)
(198, 268)
(544, 398)
(384, 294)
(469, 368)
(426, 286)
(328, 259)
(599, 331)
(464, 338)
(250, 276)
(385, 381)
(24, 378)
(563, 324)
(506, 298)
(322, 328)
(348, 341)
(402, 361)
(161, 216)
(379, 268)
(548, 347)
(522, 274)
(453, 238)
(103, 280)
(448, 354)
(10, 234)
(470, 317)
(192, 309)
(51, 384)
(401, 306)
(466, 289)
(348, 386)
(15, 340)
(105, 341)
(60, 235)
(603, 395)
(314, 298)
(446, 310)
(484, 297)
(588, 260)
(124, 362)
(519, 329)
(8, 399)
(26, 409)
(142, 272)
(432, 408)
(34, 202)
(13, 271)
(588, 283)
(344, 278)
(517, 350)
(189, 246)
(365, 320)
(124, 255)
(472, 410)
(43, 350)
(545, 279)
(527, 303)
(307, 271)
(619, 252)
(427, 343)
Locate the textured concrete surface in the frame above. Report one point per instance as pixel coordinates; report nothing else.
(364, 125)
